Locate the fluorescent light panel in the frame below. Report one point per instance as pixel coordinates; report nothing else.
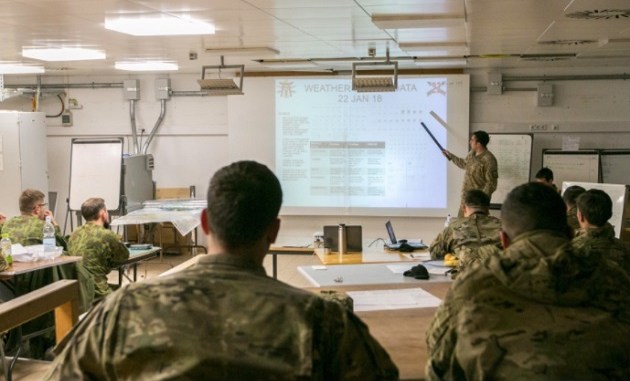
(146, 65)
(159, 26)
(259, 50)
(416, 21)
(63, 54)
(17, 68)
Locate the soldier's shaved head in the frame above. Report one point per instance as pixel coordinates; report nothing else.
(533, 206)
(244, 199)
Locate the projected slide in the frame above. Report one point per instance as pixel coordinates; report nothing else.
(336, 148)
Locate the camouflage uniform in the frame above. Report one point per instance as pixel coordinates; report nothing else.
(482, 172)
(464, 236)
(28, 230)
(223, 318)
(603, 240)
(541, 311)
(572, 219)
(102, 251)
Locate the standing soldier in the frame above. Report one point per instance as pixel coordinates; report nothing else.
(482, 171)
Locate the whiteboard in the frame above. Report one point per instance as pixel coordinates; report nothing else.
(95, 171)
(514, 156)
(572, 165)
(615, 166)
(616, 192)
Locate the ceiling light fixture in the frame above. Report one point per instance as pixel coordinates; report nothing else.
(146, 65)
(158, 26)
(258, 50)
(415, 21)
(18, 68)
(63, 54)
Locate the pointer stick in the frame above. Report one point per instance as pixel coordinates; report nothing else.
(433, 137)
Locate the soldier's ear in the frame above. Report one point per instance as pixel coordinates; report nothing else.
(204, 221)
(505, 240)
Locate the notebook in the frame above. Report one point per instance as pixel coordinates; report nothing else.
(395, 244)
(353, 238)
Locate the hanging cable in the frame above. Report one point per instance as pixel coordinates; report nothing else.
(63, 108)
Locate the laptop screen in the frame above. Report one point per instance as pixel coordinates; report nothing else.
(390, 232)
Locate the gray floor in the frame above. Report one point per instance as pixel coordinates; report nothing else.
(287, 268)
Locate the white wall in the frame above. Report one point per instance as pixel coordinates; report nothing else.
(196, 138)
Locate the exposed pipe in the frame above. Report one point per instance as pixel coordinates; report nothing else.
(158, 122)
(189, 93)
(134, 132)
(542, 78)
(62, 86)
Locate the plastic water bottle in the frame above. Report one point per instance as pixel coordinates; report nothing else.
(5, 245)
(448, 220)
(49, 235)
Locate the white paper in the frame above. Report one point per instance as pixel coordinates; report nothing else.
(570, 143)
(393, 299)
(438, 270)
(400, 268)
(425, 256)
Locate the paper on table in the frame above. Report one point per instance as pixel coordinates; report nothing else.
(425, 256)
(399, 268)
(392, 299)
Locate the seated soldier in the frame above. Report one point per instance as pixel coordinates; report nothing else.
(545, 176)
(465, 235)
(27, 229)
(540, 311)
(101, 249)
(224, 318)
(594, 209)
(569, 196)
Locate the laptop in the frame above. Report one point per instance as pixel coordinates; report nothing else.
(395, 244)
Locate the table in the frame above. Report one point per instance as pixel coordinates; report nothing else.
(371, 274)
(183, 214)
(402, 332)
(287, 250)
(19, 268)
(136, 256)
(374, 254)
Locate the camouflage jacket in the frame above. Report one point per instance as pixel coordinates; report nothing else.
(482, 171)
(28, 230)
(572, 219)
(465, 235)
(541, 311)
(223, 317)
(102, 251)
(603, 240)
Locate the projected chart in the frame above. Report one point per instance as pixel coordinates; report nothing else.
(339, 148)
